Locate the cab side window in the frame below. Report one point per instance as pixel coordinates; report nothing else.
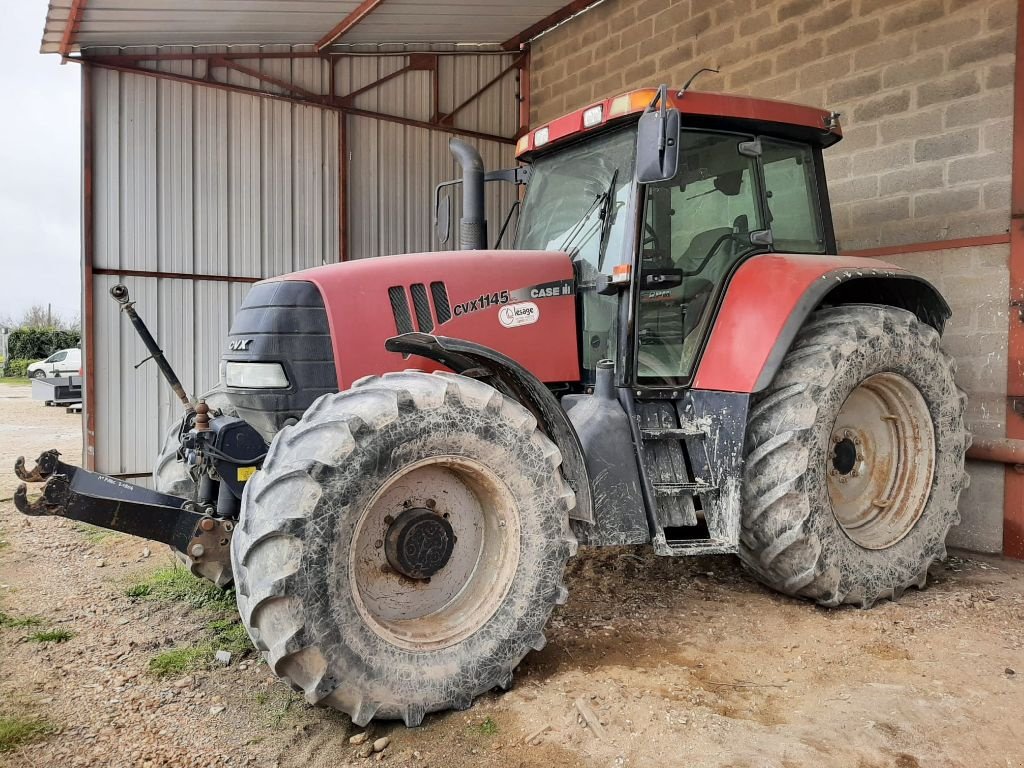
(791, 191)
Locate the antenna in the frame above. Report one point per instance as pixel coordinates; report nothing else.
(695, 75)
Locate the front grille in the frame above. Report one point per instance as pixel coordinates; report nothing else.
(283, 322)
(400, 309)
(422, 307)
(442, 306)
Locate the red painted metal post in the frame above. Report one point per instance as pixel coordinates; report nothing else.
(71, 26)
(1013, 499)
(342, 187)
(88, 261)
(524, 92)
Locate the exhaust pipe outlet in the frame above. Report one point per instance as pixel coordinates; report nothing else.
(473, 225)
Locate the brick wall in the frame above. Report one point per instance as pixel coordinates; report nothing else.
(925, 88)
(926, 92)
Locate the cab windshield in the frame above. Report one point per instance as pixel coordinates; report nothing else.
(576, 202)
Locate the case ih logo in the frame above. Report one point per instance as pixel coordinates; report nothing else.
(514, 315)
(239, 345)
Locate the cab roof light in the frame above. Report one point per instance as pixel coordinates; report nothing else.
(593, 116)
(540, 137)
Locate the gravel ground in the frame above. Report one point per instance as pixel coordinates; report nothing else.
(676, 662)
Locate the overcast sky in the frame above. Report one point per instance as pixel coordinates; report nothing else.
(40, 169)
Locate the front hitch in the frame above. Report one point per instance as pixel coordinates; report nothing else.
(77, 494)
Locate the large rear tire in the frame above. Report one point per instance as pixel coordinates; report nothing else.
(403, 546)
(854, 459)
(170, 476)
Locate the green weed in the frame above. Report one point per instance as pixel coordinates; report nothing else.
(488, 727)
(9, 622)
(178, 660)
(94, 534)
(175, 584)
(51, 636)
(17, 730)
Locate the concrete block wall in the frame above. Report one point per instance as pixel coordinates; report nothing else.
(926, 92)
(925, 88)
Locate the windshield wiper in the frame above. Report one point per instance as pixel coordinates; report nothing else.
(602, 203)
(606, 216)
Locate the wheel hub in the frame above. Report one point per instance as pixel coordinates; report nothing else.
(844, 456)
(419, 543)
(881, 460)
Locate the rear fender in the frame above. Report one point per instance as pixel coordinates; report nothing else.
(510, 378)
(770, 297)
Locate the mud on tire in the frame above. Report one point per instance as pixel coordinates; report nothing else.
(791, 538)
(301, 572)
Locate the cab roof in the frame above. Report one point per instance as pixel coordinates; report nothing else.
(697, 109)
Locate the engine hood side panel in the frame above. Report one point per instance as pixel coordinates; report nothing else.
(520, 303)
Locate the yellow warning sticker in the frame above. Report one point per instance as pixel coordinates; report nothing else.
(244, 473)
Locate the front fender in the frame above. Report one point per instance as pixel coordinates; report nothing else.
(511, 379)
(770, 297)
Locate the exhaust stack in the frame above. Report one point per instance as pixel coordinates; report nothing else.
(473, 225)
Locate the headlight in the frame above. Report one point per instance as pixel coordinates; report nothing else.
(255, 375)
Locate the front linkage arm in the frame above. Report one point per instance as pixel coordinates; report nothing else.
(107, 502)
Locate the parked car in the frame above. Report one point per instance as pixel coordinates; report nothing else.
(66, 362)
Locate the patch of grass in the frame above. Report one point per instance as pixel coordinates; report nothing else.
(15, 731)
(226, 634)
(10, 622)
(229, 635)
(94, 534)
(175, 584)
(488, 727)
(13, 380)
(51, 636)
(179, 660)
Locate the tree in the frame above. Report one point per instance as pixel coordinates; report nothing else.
(38, 316)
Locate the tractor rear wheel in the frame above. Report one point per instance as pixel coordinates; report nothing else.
(170, 476)
(854, 459)
(403, 546)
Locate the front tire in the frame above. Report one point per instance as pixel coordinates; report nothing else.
(854, 459)
(354, 607)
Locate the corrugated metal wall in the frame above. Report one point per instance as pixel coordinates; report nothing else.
(197, 180)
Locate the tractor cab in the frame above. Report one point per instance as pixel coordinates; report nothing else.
(744, 177)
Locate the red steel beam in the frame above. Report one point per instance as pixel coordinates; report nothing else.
(361, 11)
(563, 13)
(937, 245)
(342, 187)
(524, 92)
(265, 78)
(173, 275)
(497, 78)
(71, 26)
(1013, 493)
(323, 104)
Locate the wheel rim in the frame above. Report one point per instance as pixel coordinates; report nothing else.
(880, 461)
(456, 568)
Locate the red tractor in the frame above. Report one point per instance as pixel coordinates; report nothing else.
(404, 451)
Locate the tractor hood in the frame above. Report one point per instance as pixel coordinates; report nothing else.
(520, 303)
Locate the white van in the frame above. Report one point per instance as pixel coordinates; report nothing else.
(66, 362)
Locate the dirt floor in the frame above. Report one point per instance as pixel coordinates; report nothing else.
(683, 662)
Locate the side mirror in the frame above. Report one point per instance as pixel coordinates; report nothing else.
(657, 142)
(442, 213)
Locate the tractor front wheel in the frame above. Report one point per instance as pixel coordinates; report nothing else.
(854, 459)
(403, 546)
